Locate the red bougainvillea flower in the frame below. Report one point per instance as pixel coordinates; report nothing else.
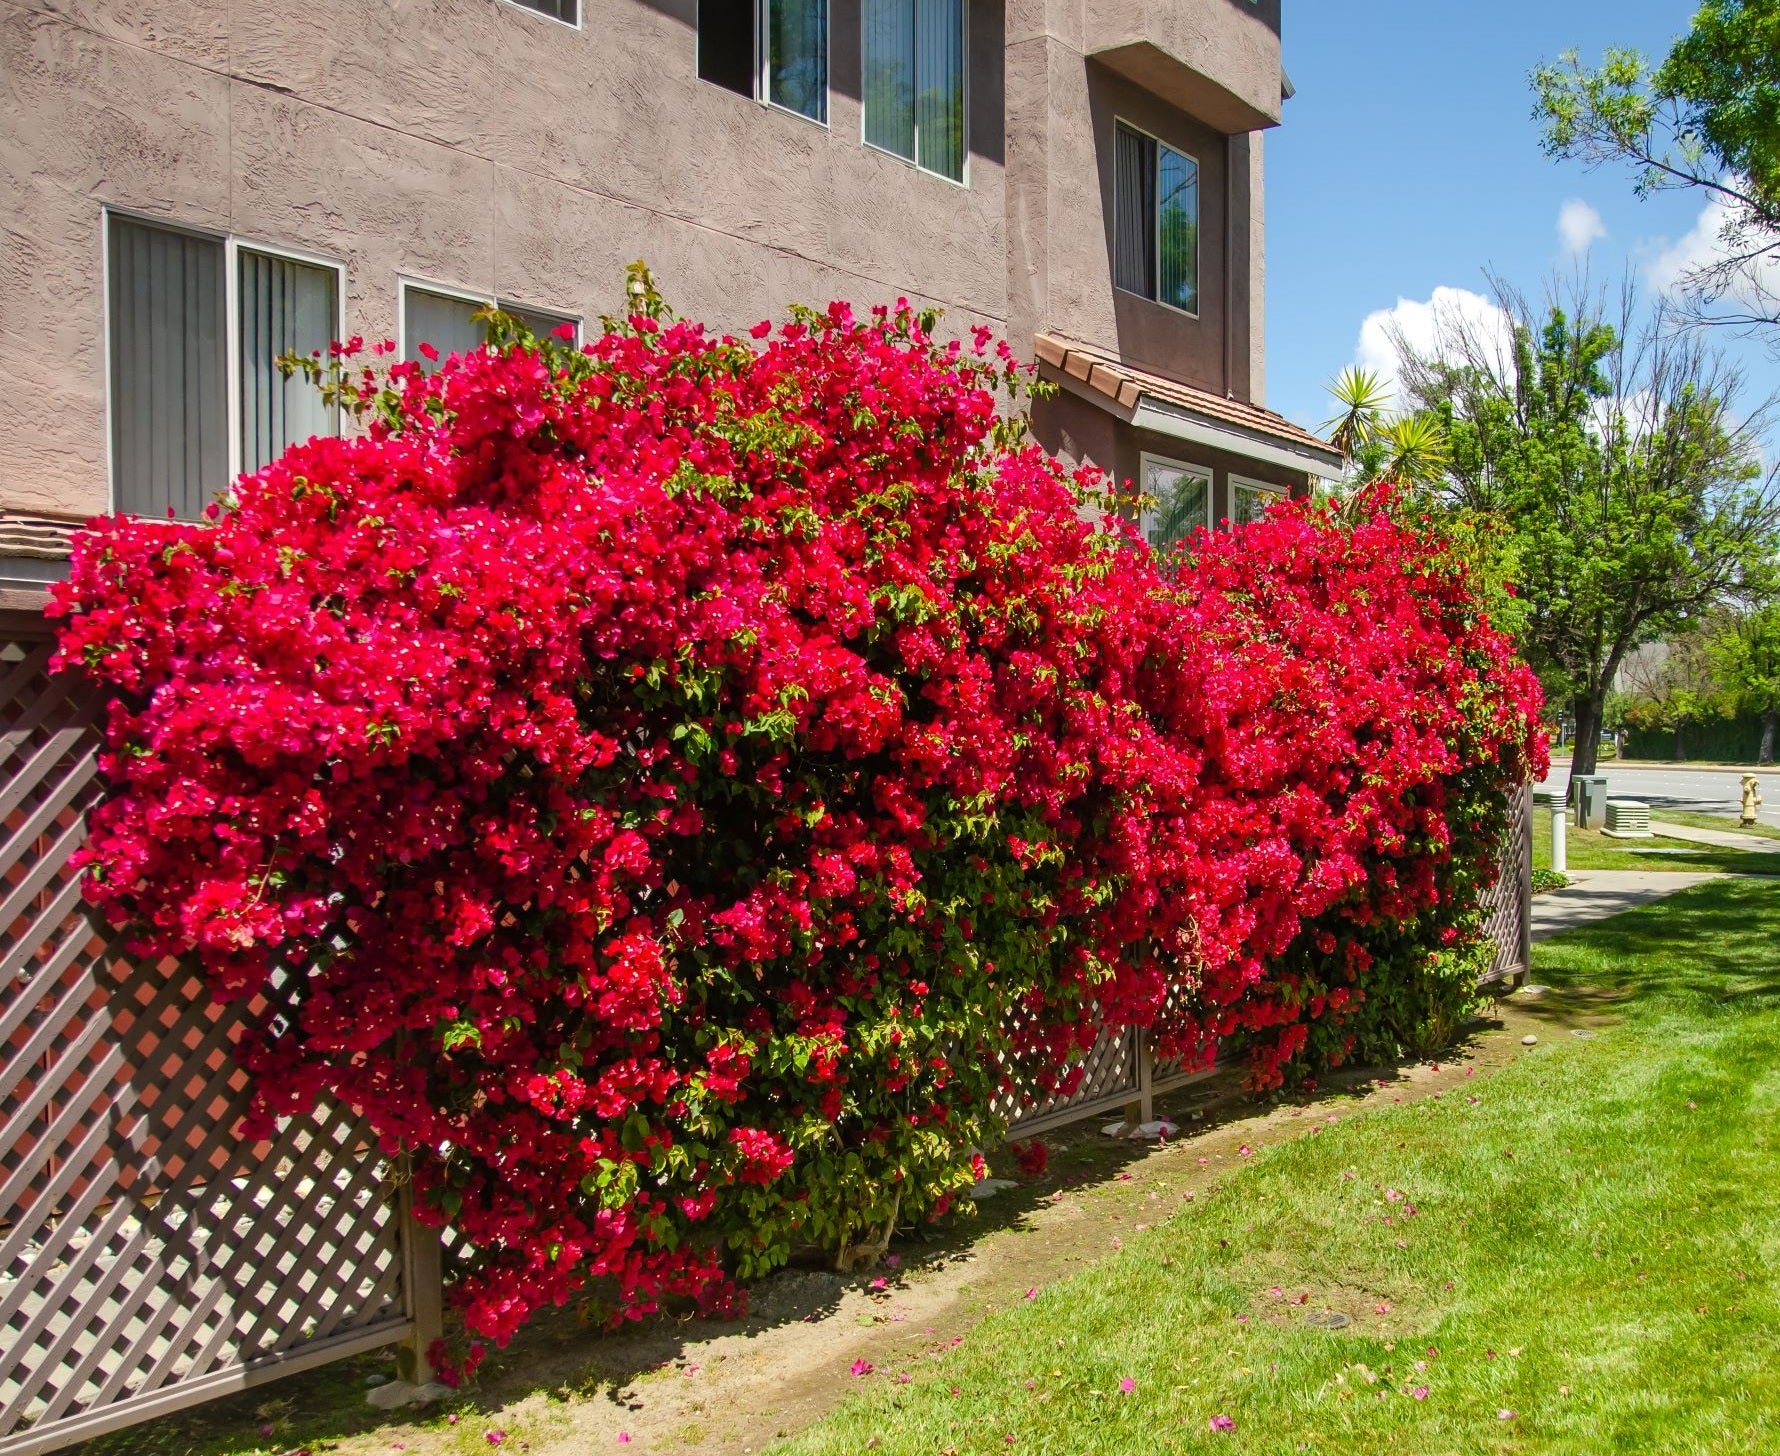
(681, 789)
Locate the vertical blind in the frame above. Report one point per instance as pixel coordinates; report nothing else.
(286, 307)
(169, 369)
(914, 81)
(939, 86)
(889, 27)
(1134, 227)
(797, 56)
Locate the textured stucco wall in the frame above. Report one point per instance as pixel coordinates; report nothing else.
(1063, 108)
(473, 143)
(463, 142)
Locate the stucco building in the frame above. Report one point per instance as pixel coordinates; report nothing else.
(193, 186)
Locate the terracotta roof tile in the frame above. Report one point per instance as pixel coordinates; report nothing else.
(40, 537)
(1123, 384)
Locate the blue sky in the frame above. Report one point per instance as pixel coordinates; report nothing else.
(1409, 161)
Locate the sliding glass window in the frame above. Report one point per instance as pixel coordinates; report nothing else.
(1156, 247)
(915, 81)
(796, 52)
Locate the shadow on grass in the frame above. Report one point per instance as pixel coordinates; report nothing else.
(1676, 948)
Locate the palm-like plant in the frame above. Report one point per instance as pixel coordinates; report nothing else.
(1415, 449)
(1361, 399)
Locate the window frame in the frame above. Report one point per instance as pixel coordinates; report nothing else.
(1156, 221)
(1264, 487)
(1147, 458)
(962, 180)
(232, 247)
(575, 24)
(763, 66)
(405, 281)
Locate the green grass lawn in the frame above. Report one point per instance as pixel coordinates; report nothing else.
(1590, 1267)
(1589, 849)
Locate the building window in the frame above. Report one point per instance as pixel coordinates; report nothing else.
(567, 11)
(773, 50)
(447, 321)
(915, 81)
(1249, 499)
(1179, 501)
(1156, 242)
(179, 355)
(285, 306)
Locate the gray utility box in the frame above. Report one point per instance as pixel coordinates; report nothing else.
(1588, 801)
(1628, 819)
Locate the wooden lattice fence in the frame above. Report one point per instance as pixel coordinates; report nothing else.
(150, 1258)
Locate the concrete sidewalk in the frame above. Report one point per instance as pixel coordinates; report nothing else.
(1717, 838)
(1598, 894)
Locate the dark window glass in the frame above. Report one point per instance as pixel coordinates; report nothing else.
(726, 31)
(1156, 228)
(567, 11)
(797, 56)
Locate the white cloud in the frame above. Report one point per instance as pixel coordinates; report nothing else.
(1579, 227)
(1703, 245)
(1424, 325)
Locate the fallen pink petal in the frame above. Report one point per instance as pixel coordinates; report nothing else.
(1127, 1385)
(1222, 1423)
(863, 1367)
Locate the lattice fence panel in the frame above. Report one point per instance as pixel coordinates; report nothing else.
(1111, 1078)
(149, 1256)
(1509, 905)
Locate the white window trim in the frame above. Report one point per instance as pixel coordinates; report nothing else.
(232, 247)
(1148, 458)
(762, 60)
(1265, 487)
(405, 281)
(1199, 250)
(871, 146)
(575, 24)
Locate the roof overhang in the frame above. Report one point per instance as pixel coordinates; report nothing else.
(1148, 401)
(1218, 62)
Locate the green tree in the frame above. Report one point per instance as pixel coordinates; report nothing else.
(1618, 462)
(1676, 683)
(1707, 117)
(1745, 652)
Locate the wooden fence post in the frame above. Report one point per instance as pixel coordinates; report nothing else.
(423, 1282)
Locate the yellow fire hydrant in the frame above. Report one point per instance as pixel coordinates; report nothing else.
(1751, 799)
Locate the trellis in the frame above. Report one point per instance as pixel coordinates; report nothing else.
(150, 1258)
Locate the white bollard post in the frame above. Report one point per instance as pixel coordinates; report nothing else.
(1559, 853)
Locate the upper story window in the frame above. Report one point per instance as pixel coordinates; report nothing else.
(446, 319)
(1180, 496)
(1156, 233)
(567, 11)
(195, 390)
(773, 50)
(915, 81)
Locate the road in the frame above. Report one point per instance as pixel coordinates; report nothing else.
(1702, 790)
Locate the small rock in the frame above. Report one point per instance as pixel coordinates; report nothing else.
(1584, 1035)
(430, 1392)
(1531, 993)
(989, 1187)
(391, 1396)
(1529, 1040)
(373, 1381)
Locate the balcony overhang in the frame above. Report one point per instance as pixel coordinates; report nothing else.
(1149, 401)
(1217, 61)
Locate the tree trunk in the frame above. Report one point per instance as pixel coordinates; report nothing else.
(1769, 720)
(1680, 741)
(1588, 735)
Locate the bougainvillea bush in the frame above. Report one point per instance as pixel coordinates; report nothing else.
(681, 788)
